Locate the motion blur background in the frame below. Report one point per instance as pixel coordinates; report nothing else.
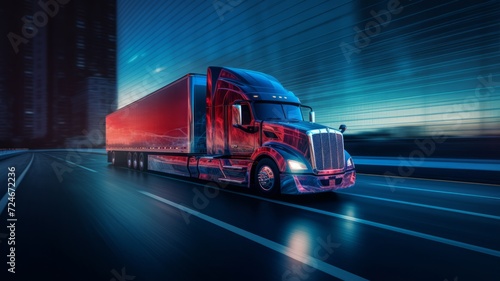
(393, 71)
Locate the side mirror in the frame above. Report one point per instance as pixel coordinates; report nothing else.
(342, 128)
(236, 115)
(312, 117)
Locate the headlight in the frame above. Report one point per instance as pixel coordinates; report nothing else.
(296, 165)
(350, 163)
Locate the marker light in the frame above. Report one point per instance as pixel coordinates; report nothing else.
(350, 163)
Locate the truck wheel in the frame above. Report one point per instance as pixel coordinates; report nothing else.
(129, 160)
(135, 163)
(143, 162)
(267, 177)
(113, 158)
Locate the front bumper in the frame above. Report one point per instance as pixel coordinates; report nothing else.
(300, 184)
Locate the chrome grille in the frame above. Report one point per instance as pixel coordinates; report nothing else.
(327, 147)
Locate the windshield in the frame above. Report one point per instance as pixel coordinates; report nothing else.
(277, 111)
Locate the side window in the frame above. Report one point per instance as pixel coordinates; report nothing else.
(246, 117)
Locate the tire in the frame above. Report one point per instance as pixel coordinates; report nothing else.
(135, 161)
(129, 160)
(114, 161)
(143, 162)
(267, 178)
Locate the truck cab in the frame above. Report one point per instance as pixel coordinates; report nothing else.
(255, 123)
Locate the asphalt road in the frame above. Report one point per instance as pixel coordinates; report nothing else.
(87, 220)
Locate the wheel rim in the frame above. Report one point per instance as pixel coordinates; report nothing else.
(266, 178)
(129, 160)
(113, 158)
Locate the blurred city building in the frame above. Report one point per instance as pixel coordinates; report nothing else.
(90, 105)
(52, 49)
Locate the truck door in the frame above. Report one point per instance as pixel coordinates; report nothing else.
(242, 134)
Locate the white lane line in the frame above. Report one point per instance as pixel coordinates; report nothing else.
(424, 206)
(303, 258)
(438, 239)
(427, 179)
(3, 202)
(72, 163)
(450, 242)
(436, 191)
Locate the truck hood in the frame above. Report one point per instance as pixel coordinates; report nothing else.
(301, 126)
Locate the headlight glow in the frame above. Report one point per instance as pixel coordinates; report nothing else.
(296, 165)
(350, 163)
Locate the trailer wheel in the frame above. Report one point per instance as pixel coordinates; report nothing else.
(135, 161)
(129, 160)
(267, 177)
(143, 162)
(113, 158)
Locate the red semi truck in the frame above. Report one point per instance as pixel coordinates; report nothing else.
(233, 126)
